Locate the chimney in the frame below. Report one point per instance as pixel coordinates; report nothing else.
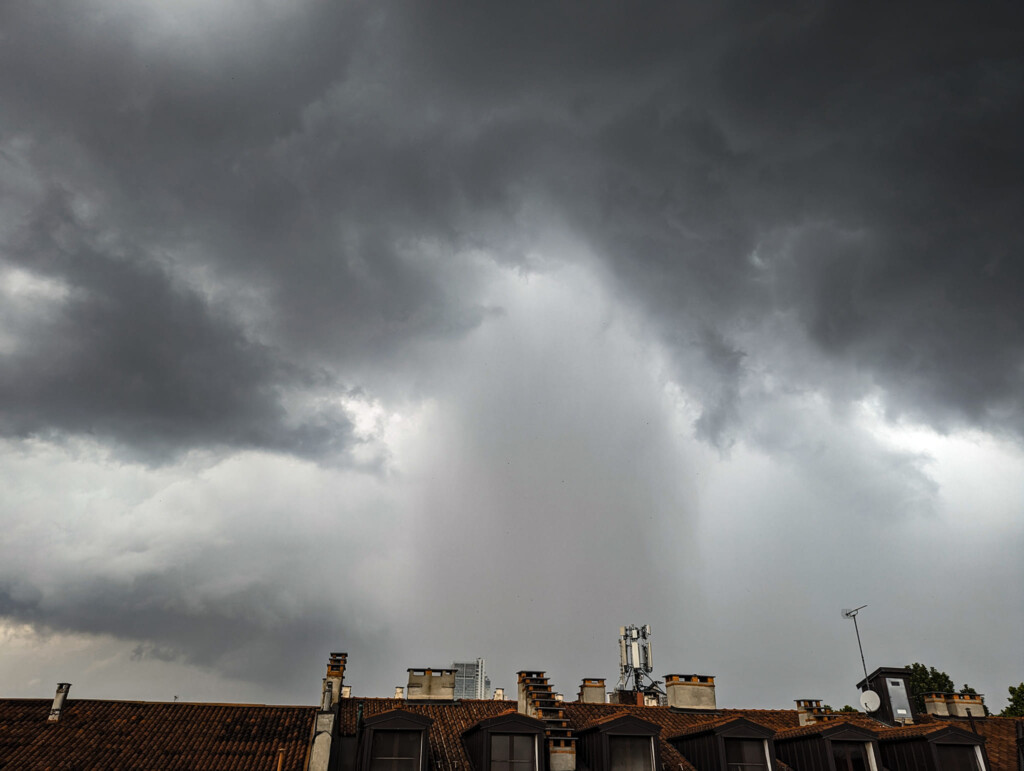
(809, 711)
(499, 694)
(536, 699)
(333, 681)
(958, 704)
(935, 703)
(399, 692)
(592, 690)
(346, 691)
(690, 691)
(58, 702)
(431, 684)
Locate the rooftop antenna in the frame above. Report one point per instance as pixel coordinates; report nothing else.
(868, 699)
(636, 660)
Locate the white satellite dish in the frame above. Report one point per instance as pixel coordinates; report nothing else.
(870, 702)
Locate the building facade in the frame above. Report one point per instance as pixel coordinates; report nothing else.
(471, 681)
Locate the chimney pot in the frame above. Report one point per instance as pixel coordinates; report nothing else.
(58, 702)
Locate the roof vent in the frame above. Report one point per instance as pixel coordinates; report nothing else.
(58, 702)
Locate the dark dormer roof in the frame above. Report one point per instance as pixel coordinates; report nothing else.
(841, 729)
(727, 726)
(400, 719)
(621, 722)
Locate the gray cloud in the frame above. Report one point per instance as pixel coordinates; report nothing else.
(223, 224)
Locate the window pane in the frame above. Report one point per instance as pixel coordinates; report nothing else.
(850, 756)
(499, 748)
(512, 752)
(522, 748)
(744, 754)
(395, 751)
(957, 757)
(630, 753)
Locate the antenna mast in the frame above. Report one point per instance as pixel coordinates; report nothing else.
(636, 660)
(853, 614)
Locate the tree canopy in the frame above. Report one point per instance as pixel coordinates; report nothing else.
(925, 679)
(1016, 706)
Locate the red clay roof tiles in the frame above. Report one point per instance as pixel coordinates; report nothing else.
(141, 735)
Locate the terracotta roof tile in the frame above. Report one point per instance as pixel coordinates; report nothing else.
(153, 735)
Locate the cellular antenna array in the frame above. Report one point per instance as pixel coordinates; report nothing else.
(636, 661)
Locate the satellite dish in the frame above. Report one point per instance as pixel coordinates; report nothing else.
(870, 702)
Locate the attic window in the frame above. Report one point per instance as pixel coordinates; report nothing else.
(631, 753)
(508, 742)
(746, 754)
(395, 751)
(513, 752)
(959, 757)
(851, 756)
(394, 741)
(623, 743)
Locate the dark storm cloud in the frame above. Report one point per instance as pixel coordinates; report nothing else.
(245, 212)
(870, 155)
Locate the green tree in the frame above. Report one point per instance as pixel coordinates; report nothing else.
(1016, 706)
(925, 680)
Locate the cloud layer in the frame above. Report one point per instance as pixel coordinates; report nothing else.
(296, 298)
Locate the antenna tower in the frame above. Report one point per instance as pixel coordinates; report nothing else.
(847, 613)
(636, 661)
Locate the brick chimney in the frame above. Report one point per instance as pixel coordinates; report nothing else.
(58, 702)
(536, 699)
(809, 711)
(959, 703)
(690, 691)
(935, 703)
(323, 733)
(592, 690)
(431, 684)
(335, 676)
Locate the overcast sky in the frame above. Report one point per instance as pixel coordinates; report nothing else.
(426, 331)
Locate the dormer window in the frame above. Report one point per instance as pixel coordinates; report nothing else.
(509, 742)
(938, 747)
(727, 744)
(631, 753)
(395, 750)
(828, 746)
(620, 743)
(746, 755)
(394, 741)
(851, 756)
(513, 752)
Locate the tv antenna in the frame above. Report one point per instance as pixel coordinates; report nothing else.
(869, 699)
(636, 661)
